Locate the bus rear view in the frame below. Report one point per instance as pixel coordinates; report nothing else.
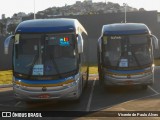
(125, 55)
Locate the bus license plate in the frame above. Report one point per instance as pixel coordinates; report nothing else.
(129, 82)
(44, 96)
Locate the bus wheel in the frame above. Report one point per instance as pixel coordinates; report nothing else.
(77, 100)
(109, 87)
(144, 87)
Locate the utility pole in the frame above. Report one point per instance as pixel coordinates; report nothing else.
(34, 9)
(125, 12)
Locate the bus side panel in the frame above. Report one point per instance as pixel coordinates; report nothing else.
(85, 59)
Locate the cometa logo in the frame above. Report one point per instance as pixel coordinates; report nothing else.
(64, 41)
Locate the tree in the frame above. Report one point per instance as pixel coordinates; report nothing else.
(11, 28)
(142, 9)
(1, 27)
(116, 5)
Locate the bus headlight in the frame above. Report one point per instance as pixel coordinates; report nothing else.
(77, 77)
(74, 83)
(16, 83)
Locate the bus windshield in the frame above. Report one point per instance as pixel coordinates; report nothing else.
(125, 52)
(44, 54)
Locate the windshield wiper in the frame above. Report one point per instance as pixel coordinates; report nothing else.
(32, 64)
(139, 65)
(55, 64)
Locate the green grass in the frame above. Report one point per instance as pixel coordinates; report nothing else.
(93, 69)
(157, 62)
(5, 77)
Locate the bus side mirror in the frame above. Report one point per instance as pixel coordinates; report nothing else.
(6, 43)
(155, 40)
(80, 43)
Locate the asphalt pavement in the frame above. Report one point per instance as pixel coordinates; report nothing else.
(96, 100)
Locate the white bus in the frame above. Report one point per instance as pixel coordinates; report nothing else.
(49, 59)
(125, 55)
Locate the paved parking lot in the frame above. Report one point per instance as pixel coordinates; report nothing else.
(94, 99)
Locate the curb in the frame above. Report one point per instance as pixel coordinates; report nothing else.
(5, 85)
(90, 75)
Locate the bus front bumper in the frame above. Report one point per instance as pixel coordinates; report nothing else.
(69, 91)
(66, 93)
(145, 80)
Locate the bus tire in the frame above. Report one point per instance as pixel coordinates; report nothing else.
(100, 79)
(109, 87)
(77, 100)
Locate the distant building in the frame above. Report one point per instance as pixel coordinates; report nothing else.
(88, 1)
(78, 2)
(158, 17)
(21, 14)
(3, 16)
